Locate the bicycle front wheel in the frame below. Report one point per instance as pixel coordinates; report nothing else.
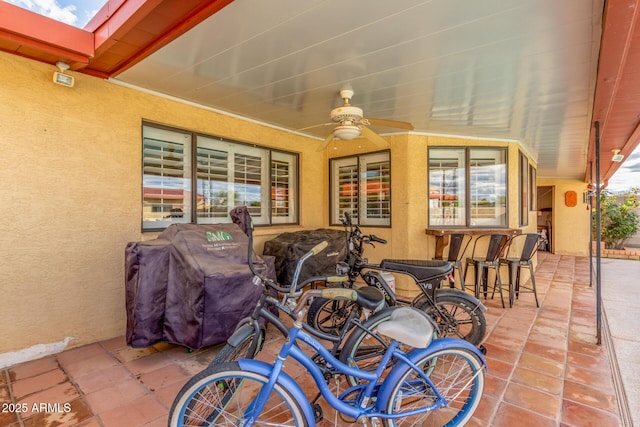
(247, 349)
(329, 316)
(457, 374)
(223, 395)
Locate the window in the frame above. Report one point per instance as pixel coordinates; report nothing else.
(225, 174)
(361, 185)
(467, 187)
(524, 190)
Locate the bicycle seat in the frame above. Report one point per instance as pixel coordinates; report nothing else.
(408, 326)
(421, 269)
(370, 298)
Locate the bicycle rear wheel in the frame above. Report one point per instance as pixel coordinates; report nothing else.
(456, 373)
(223, 395)
(457, 315)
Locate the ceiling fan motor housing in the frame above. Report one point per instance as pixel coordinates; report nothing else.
(346, 113)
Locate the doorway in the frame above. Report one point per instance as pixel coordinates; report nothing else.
(545, 216)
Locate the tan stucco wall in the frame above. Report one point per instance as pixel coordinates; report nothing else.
(71, 188)
(570, 225)
(71, 173)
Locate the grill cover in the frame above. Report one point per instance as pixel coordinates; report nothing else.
(288, 248)
(191, 285)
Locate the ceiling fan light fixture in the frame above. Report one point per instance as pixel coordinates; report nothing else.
(346, 132)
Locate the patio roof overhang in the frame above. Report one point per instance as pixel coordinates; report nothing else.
(124, 32)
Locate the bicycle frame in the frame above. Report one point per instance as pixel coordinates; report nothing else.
(361, 406)
(372, 387)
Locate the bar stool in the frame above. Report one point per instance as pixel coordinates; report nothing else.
(457, 244)
(485, 255)
(530, 243)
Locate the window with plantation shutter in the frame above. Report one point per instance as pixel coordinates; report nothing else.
(212, 183)
(377, 191)
(226, 174)
(248, 180)
(166, 172)
(361, 186)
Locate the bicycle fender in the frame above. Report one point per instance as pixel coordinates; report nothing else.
(285, 381)
(240, 334)
(457, 292)
(416, 354)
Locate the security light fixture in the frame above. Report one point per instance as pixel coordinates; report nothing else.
(617, 157)
(60, 77)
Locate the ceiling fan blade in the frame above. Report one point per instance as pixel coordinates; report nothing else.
(374, 137)
(315, 126)
(326, 142)
(391, 123)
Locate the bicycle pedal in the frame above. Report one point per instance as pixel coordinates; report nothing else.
(317, 412)
(482, 349)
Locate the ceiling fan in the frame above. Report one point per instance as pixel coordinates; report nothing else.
(352, 124)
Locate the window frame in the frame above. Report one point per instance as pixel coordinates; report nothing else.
(533, 188)
(361, 188)
(467, 190)
(524, 190)
(265, 154)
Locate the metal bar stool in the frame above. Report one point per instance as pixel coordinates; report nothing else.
(515, 264)
(457, 244)
(487, 249)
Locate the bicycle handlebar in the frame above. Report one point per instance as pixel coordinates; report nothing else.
(292, 290)
(374, 238)
(319, 247)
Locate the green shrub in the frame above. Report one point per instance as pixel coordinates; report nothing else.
(617, 221)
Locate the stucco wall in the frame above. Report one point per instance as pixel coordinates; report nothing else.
(71, 197)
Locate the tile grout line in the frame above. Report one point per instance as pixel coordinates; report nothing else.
(82, 394)
(618, 414)
(12, 398)
(501, 398)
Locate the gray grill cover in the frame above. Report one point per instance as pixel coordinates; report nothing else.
(191, 285)
(288, 248)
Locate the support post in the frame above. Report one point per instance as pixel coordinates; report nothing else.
(598, 240)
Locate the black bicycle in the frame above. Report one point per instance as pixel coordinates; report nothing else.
(249, 335)
(457, 313)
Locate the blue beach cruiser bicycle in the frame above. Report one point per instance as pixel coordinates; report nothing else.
(439, 382)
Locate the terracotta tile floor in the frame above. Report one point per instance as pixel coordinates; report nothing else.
(545, 369)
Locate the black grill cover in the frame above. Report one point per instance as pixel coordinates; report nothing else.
(288, 248)
(191, 285)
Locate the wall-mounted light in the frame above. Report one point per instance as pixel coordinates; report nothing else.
(60, 77)
(617, 157)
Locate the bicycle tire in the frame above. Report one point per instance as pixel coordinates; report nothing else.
(463, 319)
(221, 394)
(329, 316)
(456, 373)
(230, 353)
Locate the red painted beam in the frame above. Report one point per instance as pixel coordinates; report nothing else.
(48, 35)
